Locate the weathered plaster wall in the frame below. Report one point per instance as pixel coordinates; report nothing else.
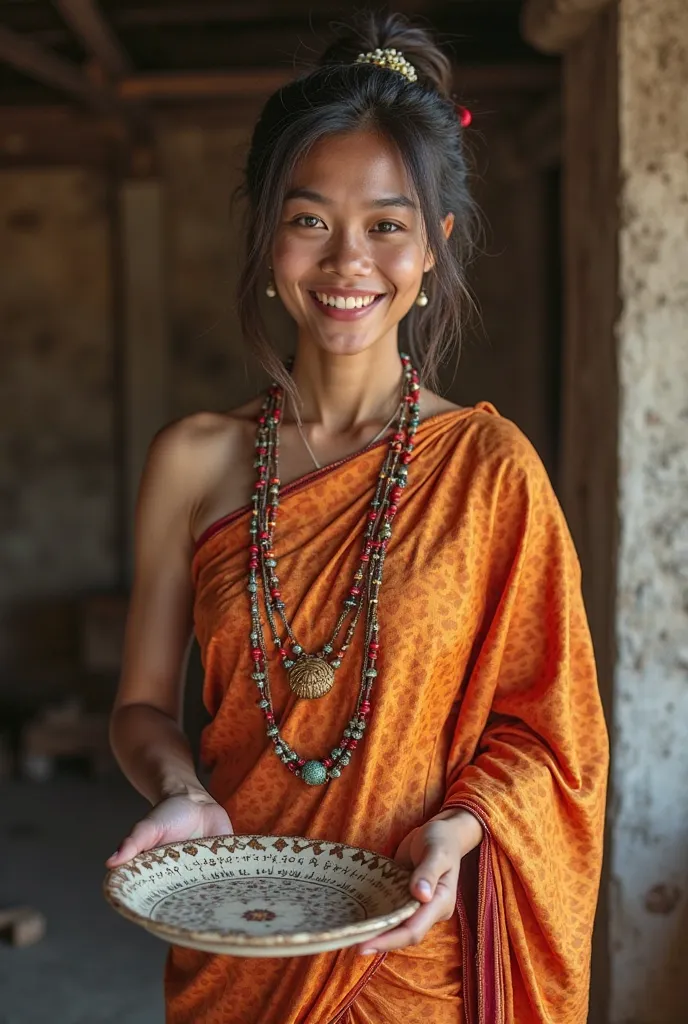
(649, 907)
(201, 167)
(57, 473)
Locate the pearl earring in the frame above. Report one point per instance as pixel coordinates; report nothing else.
(270, 289)
(422, 299)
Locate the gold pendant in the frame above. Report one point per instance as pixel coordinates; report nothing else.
(311, 677)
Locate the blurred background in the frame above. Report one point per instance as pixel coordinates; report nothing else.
(123, 129)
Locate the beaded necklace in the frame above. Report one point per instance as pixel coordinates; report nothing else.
(313, 675)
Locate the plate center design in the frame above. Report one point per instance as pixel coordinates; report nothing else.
(259, 906)
(259, 915)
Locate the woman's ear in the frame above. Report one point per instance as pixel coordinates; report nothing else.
(447, 226)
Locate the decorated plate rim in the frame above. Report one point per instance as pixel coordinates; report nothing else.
(377, 924)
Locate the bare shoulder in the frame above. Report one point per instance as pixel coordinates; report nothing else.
(432, 404)
(195, 441)
(186, 457)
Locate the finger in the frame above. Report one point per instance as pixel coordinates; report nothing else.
(145, 835)
(414, 930)
(403, 854)
(435, 865)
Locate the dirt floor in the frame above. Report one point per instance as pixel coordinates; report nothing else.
(92, 967)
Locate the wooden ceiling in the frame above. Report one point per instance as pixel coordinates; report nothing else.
(102, 52)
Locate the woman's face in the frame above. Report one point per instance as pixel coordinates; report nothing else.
(349, 253)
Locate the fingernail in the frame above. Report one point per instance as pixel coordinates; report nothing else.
(425, 887)
(367, 952)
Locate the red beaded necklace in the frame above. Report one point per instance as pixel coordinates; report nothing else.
(313, 675)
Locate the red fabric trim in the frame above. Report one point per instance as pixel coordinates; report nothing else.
(303, 481)
(479, 920)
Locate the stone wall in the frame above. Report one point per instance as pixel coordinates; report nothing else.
(57, 477)
(649, 901)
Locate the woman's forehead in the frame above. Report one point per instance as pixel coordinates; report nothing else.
(363, 165)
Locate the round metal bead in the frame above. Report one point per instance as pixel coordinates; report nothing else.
(314, 773)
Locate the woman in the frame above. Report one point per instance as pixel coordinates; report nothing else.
(396, 656)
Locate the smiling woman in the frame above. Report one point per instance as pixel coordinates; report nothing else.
(410, 203)
(365, 232)
(395, 648)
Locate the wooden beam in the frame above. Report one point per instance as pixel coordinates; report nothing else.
(88, 23)
(146, 344)
(554, 25)
(59, 135)
(471, 80)
(590, 391)
(202, 85)
(186, 85)
(26, 56)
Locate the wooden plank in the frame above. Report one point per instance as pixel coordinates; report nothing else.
(529, 143)
(146, 357)
(26, 56)
(507, 78)
(186, 85)
(57, 135)
(88, 23)
(246, 82)
(589, 450)
(554, 25)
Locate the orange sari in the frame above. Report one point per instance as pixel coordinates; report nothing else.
(486, 698)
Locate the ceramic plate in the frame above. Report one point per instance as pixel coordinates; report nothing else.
(262, 895)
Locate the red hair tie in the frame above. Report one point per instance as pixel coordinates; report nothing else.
(465, 116)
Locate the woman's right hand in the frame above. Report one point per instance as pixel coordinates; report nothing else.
(173, 820)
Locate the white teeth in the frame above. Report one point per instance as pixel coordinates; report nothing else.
(339, 302)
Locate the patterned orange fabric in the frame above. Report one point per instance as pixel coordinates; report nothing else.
(486, 697)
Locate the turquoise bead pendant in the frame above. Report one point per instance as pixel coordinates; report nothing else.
(314, 773)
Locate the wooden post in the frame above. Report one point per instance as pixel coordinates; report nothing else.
(589, 480)
(146, 369)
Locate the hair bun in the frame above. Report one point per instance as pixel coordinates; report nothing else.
(370, 30)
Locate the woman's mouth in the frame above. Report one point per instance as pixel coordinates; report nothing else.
(351, 306)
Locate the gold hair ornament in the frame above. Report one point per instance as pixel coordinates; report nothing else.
(389, 58)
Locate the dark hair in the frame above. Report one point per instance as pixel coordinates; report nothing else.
(421, 119)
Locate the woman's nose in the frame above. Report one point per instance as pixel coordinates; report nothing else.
(347, 255)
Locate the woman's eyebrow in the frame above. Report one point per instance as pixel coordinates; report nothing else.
(318, 197)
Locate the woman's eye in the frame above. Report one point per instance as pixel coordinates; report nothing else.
(387, 227)
(307, 220)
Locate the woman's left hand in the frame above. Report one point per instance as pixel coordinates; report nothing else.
(435, 851)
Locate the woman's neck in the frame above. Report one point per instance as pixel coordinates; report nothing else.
(342, 392)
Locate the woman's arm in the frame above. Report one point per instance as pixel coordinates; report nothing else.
(145, 731)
